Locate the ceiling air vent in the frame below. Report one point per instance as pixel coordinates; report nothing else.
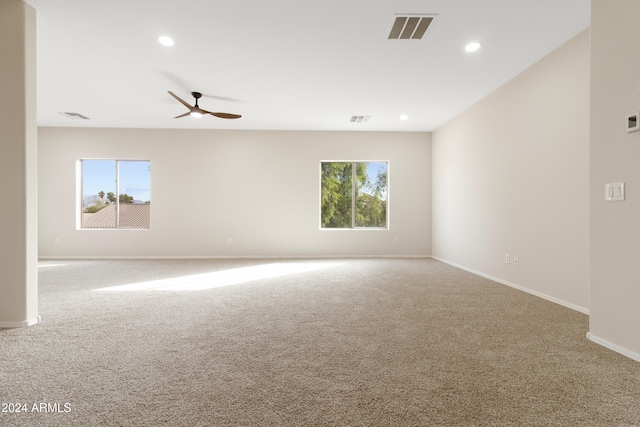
(410, 27)
(360, 119)
(75, 116)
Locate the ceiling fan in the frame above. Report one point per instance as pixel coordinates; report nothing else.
(196, 111)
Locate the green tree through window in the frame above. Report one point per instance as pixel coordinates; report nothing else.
(340, 181)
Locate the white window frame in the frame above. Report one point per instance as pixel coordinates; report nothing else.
(353, 199)
(80, 195)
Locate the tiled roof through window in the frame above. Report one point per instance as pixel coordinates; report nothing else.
(132, 215)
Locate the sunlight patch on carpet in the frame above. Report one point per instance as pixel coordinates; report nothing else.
(216, 279)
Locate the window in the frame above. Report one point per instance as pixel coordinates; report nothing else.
(115, 194)
(340, 181)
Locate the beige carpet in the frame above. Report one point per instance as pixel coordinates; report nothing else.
(305, 343)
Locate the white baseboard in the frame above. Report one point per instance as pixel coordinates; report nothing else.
(56, 258)
(22, 324)
(611, 346)
(520, 288)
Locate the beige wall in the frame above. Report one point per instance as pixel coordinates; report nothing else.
(510, 176)
(261, 189)
(615, 157)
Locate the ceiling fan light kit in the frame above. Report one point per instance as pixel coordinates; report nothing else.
(196, 111)
(166, 41)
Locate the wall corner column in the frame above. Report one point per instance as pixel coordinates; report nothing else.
(18, 166)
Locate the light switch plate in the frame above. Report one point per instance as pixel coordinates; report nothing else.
(614, 191)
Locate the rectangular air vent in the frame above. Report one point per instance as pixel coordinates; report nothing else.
(410, 27)
(360, 119)
(75, 116)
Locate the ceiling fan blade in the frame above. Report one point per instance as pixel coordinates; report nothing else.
(225, 115)
(182, 101)
(183, 115)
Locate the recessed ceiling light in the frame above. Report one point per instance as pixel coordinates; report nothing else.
(166, 41)
(472, 47)
(404, 117)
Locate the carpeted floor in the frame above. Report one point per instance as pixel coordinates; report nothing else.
(304, 343)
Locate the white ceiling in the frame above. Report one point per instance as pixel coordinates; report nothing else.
(285, 64)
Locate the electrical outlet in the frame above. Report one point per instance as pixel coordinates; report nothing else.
(228, 241)
(57, 241)
(395, 241)
(516, 261)
(506, 259)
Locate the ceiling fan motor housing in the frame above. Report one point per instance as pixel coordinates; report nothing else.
(196, 110)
